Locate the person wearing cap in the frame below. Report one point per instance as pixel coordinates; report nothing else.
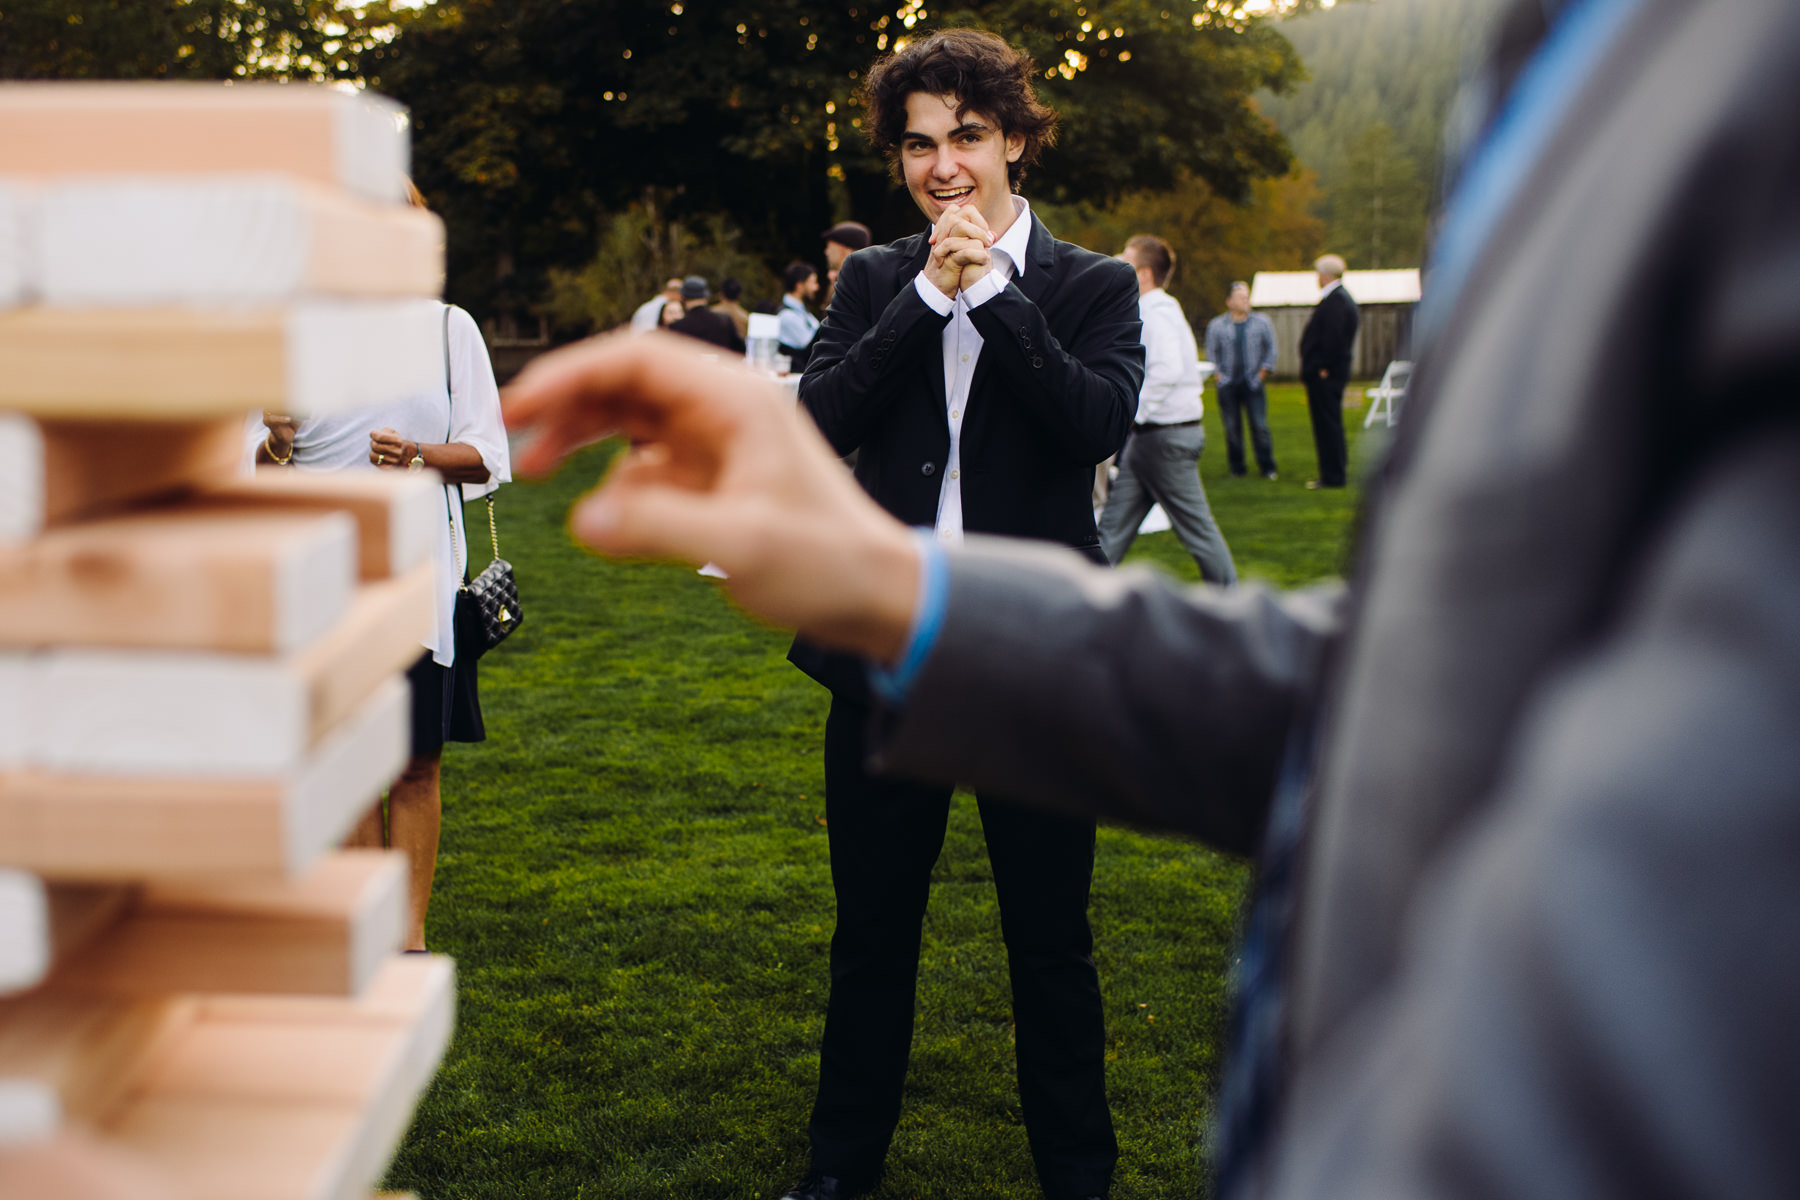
(798, 325)
(702, 322)
(841, 241)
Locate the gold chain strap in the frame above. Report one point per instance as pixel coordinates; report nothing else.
(462, 585)
(493, 529)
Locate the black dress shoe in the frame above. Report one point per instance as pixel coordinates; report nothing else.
(822, 1187)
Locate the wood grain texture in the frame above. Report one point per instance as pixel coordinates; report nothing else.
(267, 1098)
(206, 580)
(176, 362)
(130, 241)
(353, 141)
(397, 513)
(326, 932)
(83, 1051)
(104, 828)
(196, 714)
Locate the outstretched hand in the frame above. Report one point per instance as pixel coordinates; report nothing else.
(723, 468)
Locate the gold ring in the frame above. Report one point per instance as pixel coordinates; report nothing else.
(380, 458)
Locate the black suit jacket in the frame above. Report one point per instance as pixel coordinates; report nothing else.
(1054, 392)
(1329, 335)
(710, 326)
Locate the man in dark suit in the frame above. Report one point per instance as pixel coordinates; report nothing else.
(1525, 791)
(703, 323)
(1325, 368)
(979, 371)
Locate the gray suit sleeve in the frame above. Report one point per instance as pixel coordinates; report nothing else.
(1115, 693)
(1596, 997)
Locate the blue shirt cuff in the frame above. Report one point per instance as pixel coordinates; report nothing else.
(894, 684)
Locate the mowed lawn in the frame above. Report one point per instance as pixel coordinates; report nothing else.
(634, 884)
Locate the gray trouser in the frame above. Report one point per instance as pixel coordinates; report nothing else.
(1161, 465)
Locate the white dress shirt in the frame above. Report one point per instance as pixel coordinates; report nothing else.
(962, 351)
(1171, 391)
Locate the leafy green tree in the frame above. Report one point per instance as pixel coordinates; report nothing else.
(638, 250)
(537, 120)
(1215, 240)
(186, 39)
(1378, 207)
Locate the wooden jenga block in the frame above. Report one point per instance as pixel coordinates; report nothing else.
(97, 827)
(13, 204)
(283, 1099)
(130, 241)
(398, 514)
(313, 356)
(68, 1055)
(52, 472)
(207, 580)
(350, 140)
(41, 926)
(77, 1166)
(326, 933)
(196, 715)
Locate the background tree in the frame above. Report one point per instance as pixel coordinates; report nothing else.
(186, 39)
(537, 121)
(1378, 207)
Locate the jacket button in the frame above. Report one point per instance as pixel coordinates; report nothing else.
(1036, 361)
(928, 469)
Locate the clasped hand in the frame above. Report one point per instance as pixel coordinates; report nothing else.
(960, 242)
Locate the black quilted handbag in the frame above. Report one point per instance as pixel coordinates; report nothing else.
(487, 606)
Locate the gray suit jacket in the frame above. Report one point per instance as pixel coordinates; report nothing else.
(1550, 908)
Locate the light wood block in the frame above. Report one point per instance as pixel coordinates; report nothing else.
(193, 715)
(284, 1099)
(52, 472)
(130, 241)
(397, 513)
(13, 208)
(96, 827)
(326, 933)
(24, 931)
(206, 580)
(350, 140)
(71, 1056)
(40, 927)
(314, 356)
(77, 1166)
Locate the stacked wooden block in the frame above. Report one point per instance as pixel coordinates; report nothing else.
(201, 671)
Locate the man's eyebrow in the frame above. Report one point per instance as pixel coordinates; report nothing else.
(966, 127)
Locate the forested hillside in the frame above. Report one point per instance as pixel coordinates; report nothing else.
(1371, 121)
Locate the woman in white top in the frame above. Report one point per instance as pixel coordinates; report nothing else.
(456, 431)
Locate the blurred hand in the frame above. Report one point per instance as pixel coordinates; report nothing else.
(281, 429)
(723, 468)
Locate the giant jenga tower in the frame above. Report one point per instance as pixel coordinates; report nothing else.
(201, 672)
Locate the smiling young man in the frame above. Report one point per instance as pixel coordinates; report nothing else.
(979, 370)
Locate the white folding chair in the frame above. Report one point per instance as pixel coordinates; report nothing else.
(1391, 388)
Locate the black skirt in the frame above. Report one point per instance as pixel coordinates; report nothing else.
(446, 703)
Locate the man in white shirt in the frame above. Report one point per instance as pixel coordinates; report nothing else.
(979, 371)
(649, 314)
(1161, 462)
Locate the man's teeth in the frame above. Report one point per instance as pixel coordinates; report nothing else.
(953, 195)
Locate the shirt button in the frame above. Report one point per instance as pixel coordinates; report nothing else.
(965, 358)
(955, 413)
(928, 469)
(956, 474)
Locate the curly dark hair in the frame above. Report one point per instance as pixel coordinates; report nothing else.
(983, 72)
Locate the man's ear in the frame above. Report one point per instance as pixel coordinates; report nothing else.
(1015, 146)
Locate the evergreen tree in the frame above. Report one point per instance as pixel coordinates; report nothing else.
(1378, 206)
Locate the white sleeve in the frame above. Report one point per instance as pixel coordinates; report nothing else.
(475, 417)
(1164, 367)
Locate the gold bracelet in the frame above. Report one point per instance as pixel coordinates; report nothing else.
(269, 445)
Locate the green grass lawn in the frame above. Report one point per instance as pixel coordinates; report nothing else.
(634, 885)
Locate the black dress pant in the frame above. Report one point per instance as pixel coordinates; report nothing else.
(885, 836)
(1325, 402)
